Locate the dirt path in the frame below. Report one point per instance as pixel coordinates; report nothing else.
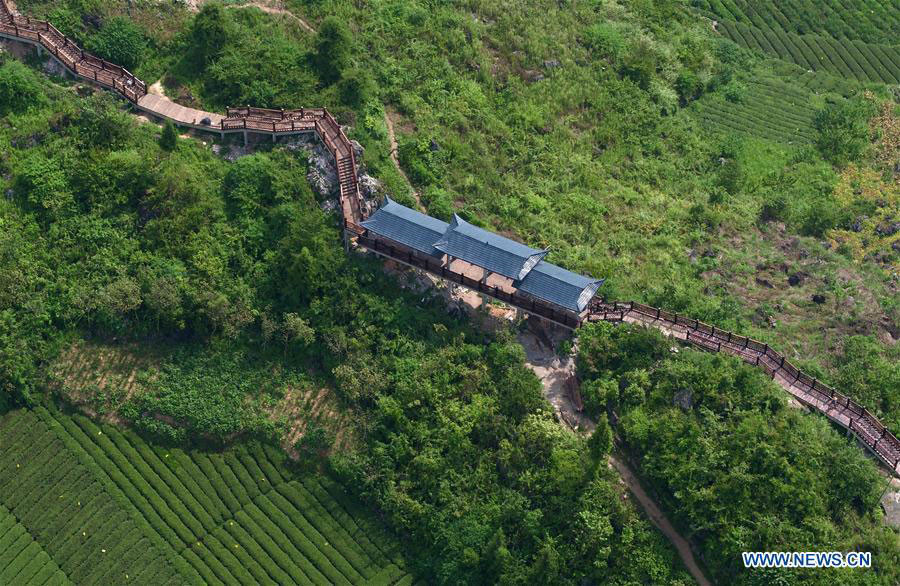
(393, 138)
(659, 519)
(271, 7)
(554, 372)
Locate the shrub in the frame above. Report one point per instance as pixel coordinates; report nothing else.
(168, 140)
(120, 41)
(605, 41)
(357, 88)
(734, 91)
(19, 88)
(210, 32)
(688, 85)
(640, 63)
(334, 49)
(843, 131)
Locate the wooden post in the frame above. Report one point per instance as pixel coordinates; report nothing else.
(245, 135)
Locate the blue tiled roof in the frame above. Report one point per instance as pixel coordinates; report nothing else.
(559, 286)
(460, 239)
(406, 226)
(488, 250)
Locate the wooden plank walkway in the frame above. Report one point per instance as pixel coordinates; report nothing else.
(837, 407)
(182, 115)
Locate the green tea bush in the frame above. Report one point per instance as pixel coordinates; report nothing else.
(325, 526)
(229, 560)
(171, 484)
(205, 567)
(250, 485)
(247, 551)
(218, 484)
(118, 479)
(230, 479)
(197, 483)
(303, 539)
(283, 565)
(296, 538)
(137, 472)
(173, 498)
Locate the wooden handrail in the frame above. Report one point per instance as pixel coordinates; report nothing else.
(853, 416)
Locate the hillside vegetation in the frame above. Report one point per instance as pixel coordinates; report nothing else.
(739, 468)
(693, 172)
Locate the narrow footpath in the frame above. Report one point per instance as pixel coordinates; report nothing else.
(662, 523)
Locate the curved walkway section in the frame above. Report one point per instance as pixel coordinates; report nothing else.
(837, 407)
(236, 120)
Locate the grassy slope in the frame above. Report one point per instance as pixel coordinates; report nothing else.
(104, 504)
(582, 161)
(586, 164)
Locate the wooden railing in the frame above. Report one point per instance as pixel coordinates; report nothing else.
(837, 407)
(436, 267)
(807, 389)
(72, 56)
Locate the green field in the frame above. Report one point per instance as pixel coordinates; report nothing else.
(88, 504)
(856, 44)
(868, 20)
(770, 108)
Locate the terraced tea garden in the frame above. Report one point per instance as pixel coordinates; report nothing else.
(770, 108)
(867, 20)
(796, 32)
(90, 504)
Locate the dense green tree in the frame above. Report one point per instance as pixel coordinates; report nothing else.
(334, 49)
(738, 468)
(119, 41)
(210, 32)
(357, 88)
(19, 88)
(168, 140)
(601, 441)
(843, 132)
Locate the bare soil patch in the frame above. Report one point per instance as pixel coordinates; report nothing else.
(101, 377)
(301, 406)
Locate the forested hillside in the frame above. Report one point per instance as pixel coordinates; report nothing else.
(201, 294)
